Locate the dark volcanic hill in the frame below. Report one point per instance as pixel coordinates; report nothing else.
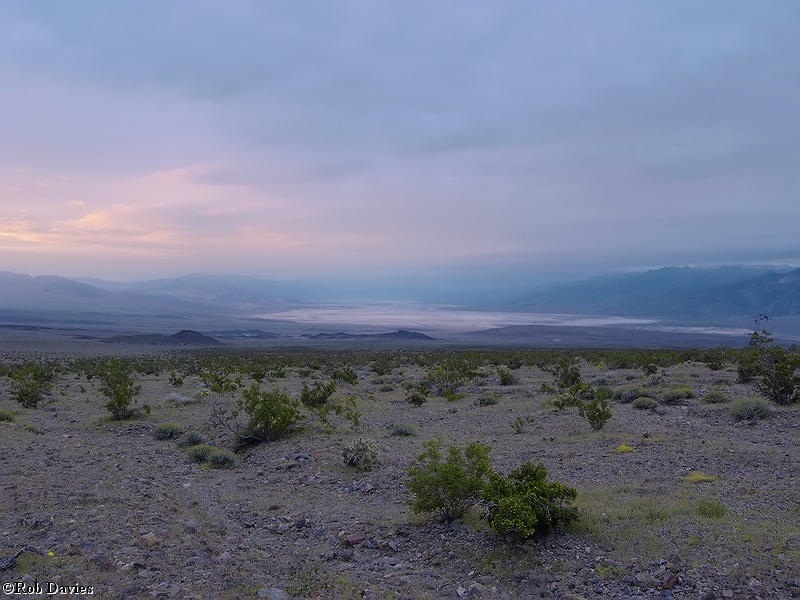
(185, 337)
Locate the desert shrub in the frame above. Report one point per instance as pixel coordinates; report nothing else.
(363, 454)
(713, 509)
(269, 416)
(383, 364)
(772, 370)
(166, 431)
(175, 379)
(750, 409)
(417, 395)
(624, 449)
(677, 393)
(574, 395)
(314, 397)
(604, 392)
(403, 429)
(450, 374)
(345, 375)
(628, 395)
(488, 399)
(644, 403)
(220, 380)
(448, 485)
(6, 416)
(200, 452)
(190, 438)
(386, 387)
(715, 397)
(219, 458)
(597, 413)
(506, 376)
(518, 425)
(524, 503)
(118, 386)
(31, 381)
(565, 371)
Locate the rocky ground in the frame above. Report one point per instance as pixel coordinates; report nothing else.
(112, 508)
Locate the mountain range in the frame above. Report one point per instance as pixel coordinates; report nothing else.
(671, 293)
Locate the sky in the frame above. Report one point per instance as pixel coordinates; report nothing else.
(403, 143)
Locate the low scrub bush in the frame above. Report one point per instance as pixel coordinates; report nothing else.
(628, 395)
(417, 395)
(200, 452)
(403, 429)
(190, 438)
(363, 454)
(750, 409)
(119, 387)
(597, 413)
(771, 370)
(488, 399)
(6, 416)
(677, 394)
(524, 503)
(713, 509)
(448, 485)
(31, 382)
(269, 415)
(645, 403)
(166, 431)
(219, 458)
(715, 397)
(506, 376)
(624, 448)
(699, 477)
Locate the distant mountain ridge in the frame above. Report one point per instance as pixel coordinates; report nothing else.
(675, 292)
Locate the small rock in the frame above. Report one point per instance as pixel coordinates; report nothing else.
(149, 539)
(727, 593)
(670, 581)
(477, 589)
(273, 594)
(355, 537)
(225, 556)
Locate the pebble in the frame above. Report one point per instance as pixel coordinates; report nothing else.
(273, 594)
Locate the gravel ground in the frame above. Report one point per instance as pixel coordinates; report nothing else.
(112, 508)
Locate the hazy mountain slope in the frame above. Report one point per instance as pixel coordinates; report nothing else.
(676, 292)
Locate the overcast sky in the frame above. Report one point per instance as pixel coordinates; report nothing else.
(500, 141)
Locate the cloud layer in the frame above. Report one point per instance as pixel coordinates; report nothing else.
(359, 139)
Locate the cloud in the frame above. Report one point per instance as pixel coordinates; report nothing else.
(415, 136)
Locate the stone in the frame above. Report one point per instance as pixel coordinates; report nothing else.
(355, 537)
(670, 581)
(727, 593)
(273, 594)
(477, 589)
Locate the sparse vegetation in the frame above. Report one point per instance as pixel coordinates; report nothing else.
(713, 509)
(750, 409)
(166, 431)
(403, 429)
(362, 453)
(770, 369)
(644, 403)
(448, 485)
(31, 382)
(119, 387)
(6, 416)
(190, 438)
(525, 503)
(200, 453)
(715, 397)
(597, 412)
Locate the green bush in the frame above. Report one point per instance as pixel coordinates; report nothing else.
(417, 395)
(31, 381)
(772, 370)
(715, 397)
(566, 371)
(506, 376)
(190, 438)
(488, 399)
(524, 503)
(363, 454)
(713, 509)
(166, 431)
(644, 403)
(750, 409)
(627, 396)
(314, 397)
(220, 458)
(6, 416)
(403, 429)
(597, 412)
(200, 452)
(451, 485)
(677, 393)
(269, 416)
(450, 374)
(118, 386)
